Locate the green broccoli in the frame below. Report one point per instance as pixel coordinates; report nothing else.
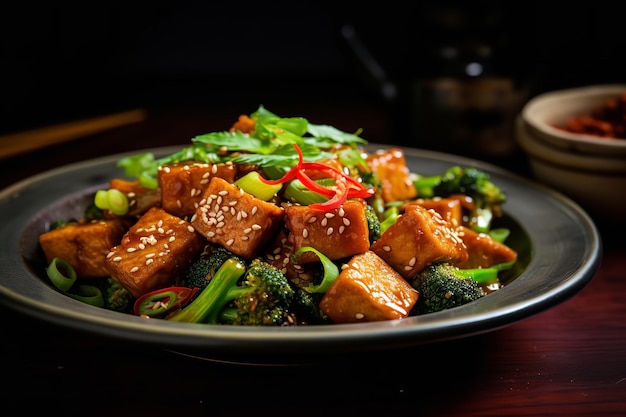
(204, 267)
(258, 295)
(373, 223)
(306, 308)
(116, 297)
(473, 182)
(442, 286)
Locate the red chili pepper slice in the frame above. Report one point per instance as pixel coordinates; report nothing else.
(345, 186)
(163, 301)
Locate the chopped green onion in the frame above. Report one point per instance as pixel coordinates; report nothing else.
(252, 184)
(389, 217)
(296, 191)
(61, 273)
(113, 200)
(500, 234)
(88, 294)
(331, 272)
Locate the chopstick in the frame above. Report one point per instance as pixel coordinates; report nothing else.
(16, 143)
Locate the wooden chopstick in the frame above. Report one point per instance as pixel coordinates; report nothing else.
(16, 143)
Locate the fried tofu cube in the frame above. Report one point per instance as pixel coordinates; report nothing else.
(368, 289)
(236, 220)
(390, 167)
(483, 250)
(182, 185)
(337, 233)
(84, 245)
(154, 252)
(418, 238)
(450, 209)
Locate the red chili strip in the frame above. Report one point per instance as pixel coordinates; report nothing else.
(162, 301)
(345, 186)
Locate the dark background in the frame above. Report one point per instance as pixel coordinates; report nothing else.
(64, 62)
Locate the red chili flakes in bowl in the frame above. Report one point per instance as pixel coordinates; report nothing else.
(607, 121)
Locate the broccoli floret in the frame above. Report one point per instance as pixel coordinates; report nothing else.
(116, 297)
(204, 267)
(486, 196)
(373, 223)
(306, 308)
(259, 295)
(443, 286)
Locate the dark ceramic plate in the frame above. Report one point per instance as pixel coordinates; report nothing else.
(558, 245)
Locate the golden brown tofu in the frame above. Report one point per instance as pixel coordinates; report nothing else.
(368, 289)
(483, 250)
(337, 233)
(418, 238)
(182, 185)
(84, 245)
(449, 208)
(394, 175)
(240, 222)
(154, 252)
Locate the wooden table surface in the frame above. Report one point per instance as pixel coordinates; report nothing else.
(567, 361)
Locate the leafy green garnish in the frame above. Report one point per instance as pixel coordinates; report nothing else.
(270, 146)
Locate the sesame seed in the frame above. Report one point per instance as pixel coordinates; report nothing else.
(305, 233)
(191, 229)
(117, 259)
(387, 248)
(359, 316)
(329, 231)
(134, 269)
(230, 242)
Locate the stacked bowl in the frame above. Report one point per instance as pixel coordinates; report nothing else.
(582, 164)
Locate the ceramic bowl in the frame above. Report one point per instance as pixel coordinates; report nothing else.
(591, 170)
(543, 114)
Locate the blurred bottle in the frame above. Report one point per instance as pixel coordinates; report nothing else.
(465, 94)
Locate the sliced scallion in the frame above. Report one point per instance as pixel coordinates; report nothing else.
(88, 294)
(331, 272)
(252, 184)
(61, 273)
(296, 191)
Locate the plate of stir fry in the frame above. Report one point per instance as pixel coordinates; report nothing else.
(279, 235)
